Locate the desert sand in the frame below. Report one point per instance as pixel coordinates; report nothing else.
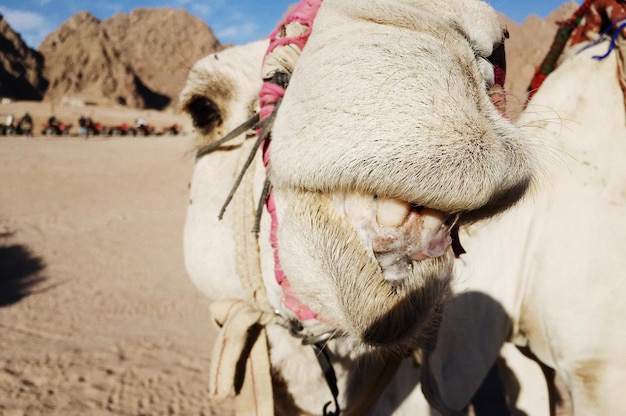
(97, 314)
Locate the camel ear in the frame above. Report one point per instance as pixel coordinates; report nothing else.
(483, 34)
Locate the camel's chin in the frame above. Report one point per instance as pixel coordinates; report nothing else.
(378, 269)
(400, 314)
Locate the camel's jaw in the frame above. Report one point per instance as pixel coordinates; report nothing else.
(377, 267)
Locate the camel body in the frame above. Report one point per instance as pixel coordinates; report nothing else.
(548, 275)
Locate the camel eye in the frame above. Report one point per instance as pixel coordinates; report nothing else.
(204, 113)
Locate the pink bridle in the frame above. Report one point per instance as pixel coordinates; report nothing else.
(270, 93)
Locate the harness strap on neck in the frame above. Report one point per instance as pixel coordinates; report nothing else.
(242, 323)
(242, 337)
(329, 375)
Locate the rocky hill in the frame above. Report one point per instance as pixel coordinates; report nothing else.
(140, 59)
(20, 67)
(526, 47)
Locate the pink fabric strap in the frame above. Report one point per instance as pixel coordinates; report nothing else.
(270, 93)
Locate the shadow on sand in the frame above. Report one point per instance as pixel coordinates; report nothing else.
(20, 271)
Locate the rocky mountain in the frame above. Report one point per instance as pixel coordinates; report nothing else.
(526, 47)
(20, 67)
(140, 59)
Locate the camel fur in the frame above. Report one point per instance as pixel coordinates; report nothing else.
(381, 146)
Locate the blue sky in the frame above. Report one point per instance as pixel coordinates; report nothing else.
(232, 21)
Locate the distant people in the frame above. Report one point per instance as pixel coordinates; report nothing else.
(82, 126)
(25, 125)
(27, 119)
(7, 128)
(57, 127)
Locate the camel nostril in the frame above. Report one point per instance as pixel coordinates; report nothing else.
(391, 212)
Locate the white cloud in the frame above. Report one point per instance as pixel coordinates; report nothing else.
(33, 27)
(235, 24)
(238, 33)
(201, 10)
(21, 20)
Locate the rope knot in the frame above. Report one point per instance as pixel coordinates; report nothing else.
(240, 361)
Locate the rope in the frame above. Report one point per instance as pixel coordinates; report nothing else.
(242, 337)
(573, 31)
(286, 44)
(549, 63)
(616, 34)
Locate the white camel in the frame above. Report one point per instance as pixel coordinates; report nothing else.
(222, 90)
(549, 275)
(385, 140)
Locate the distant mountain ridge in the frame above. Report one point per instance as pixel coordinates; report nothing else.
(20, 67)
(526, 47)
(141, 59)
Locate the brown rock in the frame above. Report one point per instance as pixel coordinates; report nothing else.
(20, 67)
(140, 59)
(525, 49)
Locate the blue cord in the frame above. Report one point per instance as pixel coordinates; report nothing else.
(622, 24)
(618, 31)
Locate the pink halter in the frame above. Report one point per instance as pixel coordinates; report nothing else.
(304, 13)
(270, 93)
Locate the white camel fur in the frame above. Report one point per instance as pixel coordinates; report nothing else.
(385, 139)
(549, 275)
(210, 244)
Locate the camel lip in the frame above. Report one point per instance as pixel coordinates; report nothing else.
(423, 235)
(447, 225)
(396, 232)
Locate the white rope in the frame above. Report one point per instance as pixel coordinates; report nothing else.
(242, 336)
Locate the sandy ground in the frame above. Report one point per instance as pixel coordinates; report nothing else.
(97, 315)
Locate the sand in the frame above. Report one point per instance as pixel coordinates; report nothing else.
(97, 314)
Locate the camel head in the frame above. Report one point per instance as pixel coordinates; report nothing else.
(222, 90)
(385, 139)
